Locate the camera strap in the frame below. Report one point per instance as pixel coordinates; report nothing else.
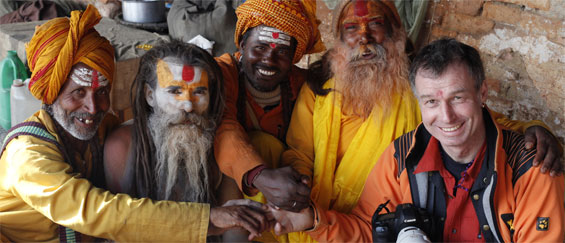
(419, 187)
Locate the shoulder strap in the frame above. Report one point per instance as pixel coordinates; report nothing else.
(34, 129)
(38, 130)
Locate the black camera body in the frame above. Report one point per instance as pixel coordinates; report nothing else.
(387, 226)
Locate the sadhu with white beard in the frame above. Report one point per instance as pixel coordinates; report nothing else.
(341, 126)
(167, 153)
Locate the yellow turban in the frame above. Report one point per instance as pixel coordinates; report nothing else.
(61, 43)
(296, 18)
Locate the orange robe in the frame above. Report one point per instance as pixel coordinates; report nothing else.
(234, 153)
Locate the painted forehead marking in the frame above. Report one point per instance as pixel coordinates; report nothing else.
(88, 77)
(360, 9)
(274, 35)
(179, 72)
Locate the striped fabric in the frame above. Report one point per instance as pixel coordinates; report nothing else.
(61, 43)
(37, 130)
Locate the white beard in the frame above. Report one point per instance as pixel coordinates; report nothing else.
(182, 154)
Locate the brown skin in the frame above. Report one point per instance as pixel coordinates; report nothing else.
(549, 153)
(362, 30)
(284, 186)
(76, 98)
(249, 215)
(258, 54)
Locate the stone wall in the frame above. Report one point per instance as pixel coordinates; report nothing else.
(522, 43)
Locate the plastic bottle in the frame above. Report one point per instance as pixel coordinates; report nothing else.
(10, 68)
(22, 103)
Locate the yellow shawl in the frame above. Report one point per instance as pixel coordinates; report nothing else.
(339, 187)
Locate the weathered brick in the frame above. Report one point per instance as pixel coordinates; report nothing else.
(539, 4)
(535, 24)
(438, 32)
(505, 13)
(467, 24)
(493, 85)
(468, 7)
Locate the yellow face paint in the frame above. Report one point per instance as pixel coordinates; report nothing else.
(182, 87)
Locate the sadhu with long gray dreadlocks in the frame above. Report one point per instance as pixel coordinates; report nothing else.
(177, 101)
(166, 154)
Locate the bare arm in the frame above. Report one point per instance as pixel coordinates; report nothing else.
(118, 168)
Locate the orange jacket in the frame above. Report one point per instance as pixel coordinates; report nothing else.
(510, 196)
(234, 154)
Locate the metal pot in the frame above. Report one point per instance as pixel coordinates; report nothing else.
(144, 11)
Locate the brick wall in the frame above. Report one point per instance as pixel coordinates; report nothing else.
(522, 43)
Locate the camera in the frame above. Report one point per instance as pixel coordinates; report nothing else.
(406, 224)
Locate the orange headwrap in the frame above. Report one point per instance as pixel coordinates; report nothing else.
(387, 5)
(296, 18)
(61, 43)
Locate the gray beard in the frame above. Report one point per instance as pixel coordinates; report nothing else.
(182, 152)
(66, 121)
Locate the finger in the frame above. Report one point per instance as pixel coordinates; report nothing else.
(260, 218)
(530, 137)
(305, 180)
(549, 161)
(302, 190)
(244, 202)
(278, 228)
(248, 223)
(557, 167)
(540, 155)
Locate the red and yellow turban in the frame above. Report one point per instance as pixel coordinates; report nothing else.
(61, 43)
(296, 18)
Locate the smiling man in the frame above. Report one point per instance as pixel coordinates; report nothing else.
(51, 168)
(261, 84)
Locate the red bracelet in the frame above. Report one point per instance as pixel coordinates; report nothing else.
(252, 174)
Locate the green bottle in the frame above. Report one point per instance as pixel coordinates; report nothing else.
(10, 68)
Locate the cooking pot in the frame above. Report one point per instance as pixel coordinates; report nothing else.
(144, 11)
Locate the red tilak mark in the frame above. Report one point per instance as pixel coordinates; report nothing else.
(187, 73)
(95, 83)
(276, 35)
(360, 8)
(273, 45)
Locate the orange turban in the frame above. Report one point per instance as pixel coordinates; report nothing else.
(296, 18)
(61, 43)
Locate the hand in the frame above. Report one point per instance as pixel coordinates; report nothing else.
(292, 222)
(250, 215)
(284, 188)
(548, 149)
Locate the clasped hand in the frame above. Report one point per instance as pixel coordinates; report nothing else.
(257, 218)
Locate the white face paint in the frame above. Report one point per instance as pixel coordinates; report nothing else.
(181, 88)
(273, 36)
(88, 77)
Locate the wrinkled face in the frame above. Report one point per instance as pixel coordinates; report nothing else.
(82, 102)
(363, 23)
(451, 106)
(267, 57)
(181, 88)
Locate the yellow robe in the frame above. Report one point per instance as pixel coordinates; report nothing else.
(39, 190)
(346, 147)
(338, 151)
